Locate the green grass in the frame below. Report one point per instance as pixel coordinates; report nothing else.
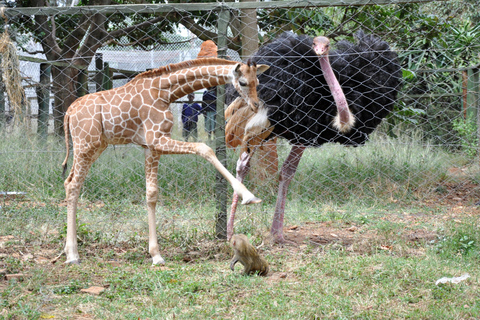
(394, 192)
(331, 282)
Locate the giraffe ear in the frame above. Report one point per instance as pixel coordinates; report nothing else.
(236, 70)
(261, 68)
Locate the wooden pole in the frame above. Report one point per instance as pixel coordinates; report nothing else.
(3, 113)
(43, 98)
(99, 72)
(82, 82)
(221, 186)
(106, 77)
(472, 91)
(249, 31)
(475, 79)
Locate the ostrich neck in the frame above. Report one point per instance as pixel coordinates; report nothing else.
(337, 92)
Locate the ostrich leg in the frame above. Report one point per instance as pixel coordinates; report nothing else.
(243, 166)
(287, 172)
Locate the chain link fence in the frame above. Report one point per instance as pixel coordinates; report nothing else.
(426, 149)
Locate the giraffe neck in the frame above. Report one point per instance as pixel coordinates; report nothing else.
(183, 82)
(179, 79)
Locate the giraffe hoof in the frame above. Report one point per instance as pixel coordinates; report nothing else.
(74, 261)
(251, 200)
(158, 260)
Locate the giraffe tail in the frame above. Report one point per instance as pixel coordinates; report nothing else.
(66, 122)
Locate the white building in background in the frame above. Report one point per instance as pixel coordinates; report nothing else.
(118, 59)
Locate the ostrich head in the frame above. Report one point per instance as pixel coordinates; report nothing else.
(344, 120)
(321, 46)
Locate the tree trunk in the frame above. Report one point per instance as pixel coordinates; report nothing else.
(64, 89)
(249, 31)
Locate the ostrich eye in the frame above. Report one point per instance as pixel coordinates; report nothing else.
(243, 83)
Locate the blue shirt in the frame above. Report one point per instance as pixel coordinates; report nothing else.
(190, 112)
(210, 100)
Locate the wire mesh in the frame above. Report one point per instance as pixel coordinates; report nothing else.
(425, 149)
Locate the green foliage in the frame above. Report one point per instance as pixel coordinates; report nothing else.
(467, 131)
(460, 239)
(72, 287)
(381, 166)
(407, 114)
(302, 21)
(126, 284)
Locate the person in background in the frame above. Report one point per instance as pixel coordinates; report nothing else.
(209, 110)
(190, 112)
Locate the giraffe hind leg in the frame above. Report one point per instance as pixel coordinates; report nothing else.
(81, 165)
(151, 176)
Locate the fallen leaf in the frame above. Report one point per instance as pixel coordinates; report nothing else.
(114, 263)
(292, 228)
(6, 238)
(278, 275)
(27, 256)
(93, 290)
(14, 276)
(163, 268)
(41, 260)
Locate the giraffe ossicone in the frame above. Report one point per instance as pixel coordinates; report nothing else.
(138, 112)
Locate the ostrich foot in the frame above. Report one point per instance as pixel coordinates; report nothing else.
(279, 240)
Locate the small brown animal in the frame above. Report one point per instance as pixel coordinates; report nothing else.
(248, 256)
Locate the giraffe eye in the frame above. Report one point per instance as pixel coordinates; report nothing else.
(243, 83)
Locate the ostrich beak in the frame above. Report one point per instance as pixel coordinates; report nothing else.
(321, 45)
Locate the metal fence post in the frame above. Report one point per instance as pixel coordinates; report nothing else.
(221, 187)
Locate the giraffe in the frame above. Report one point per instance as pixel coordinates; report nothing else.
(138, 112)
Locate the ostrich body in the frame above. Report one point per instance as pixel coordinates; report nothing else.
(303, 104)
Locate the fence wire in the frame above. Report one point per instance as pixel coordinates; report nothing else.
(425, 149)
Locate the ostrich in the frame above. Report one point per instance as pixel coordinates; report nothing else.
(305, 104)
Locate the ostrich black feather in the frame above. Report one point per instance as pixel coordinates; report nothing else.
(300, 105)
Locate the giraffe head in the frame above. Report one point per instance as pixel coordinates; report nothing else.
(245, 82)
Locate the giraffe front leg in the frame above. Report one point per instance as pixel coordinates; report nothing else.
(169, 146)
(238, 187)
(151, 172)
